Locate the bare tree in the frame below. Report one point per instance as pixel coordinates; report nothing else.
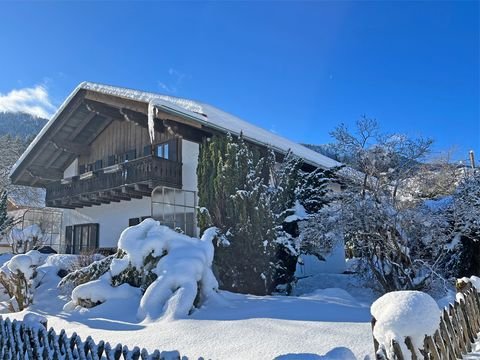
(378, 224)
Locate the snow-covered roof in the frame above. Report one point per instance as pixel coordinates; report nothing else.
(213, 117)
(206, 115)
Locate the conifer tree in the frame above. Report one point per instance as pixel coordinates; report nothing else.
(248, 203)
(6, 221)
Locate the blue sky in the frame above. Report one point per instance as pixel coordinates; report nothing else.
(296, 68)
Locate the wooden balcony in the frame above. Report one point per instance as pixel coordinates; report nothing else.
(132, 179)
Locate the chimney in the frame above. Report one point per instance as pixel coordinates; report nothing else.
(472, 159)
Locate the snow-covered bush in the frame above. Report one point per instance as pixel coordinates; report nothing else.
(23, 240)
(320, 232)
(461, 212)
(83, 275)
(17, 278)
(400, 314)
(170, 271)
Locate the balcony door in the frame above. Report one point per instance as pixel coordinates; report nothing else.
(81, 238)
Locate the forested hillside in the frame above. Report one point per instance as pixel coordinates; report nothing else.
(20, 124)
(17, 130)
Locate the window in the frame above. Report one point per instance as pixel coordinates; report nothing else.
(167, 150)
(175, 208)
(81, 238)
(160, 151)
(136, 221)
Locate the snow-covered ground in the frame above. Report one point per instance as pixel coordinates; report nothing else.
(308, 326)
(327, 317)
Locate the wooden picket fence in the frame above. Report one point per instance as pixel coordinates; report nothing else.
(22, 341)
(458, 329)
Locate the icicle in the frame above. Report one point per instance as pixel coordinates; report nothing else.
(151, 123)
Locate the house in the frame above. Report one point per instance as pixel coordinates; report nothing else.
(113, 156)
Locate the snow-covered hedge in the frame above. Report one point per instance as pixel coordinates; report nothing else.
(401, 314)
(172, 270)
(21, 275)
(17, 278)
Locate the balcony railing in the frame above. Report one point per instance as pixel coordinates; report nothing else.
(134, 178)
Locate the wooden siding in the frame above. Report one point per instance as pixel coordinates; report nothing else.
(118, 138)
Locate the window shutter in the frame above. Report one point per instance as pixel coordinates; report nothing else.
(131, 154)
(147, 150)
(111, 160)
(98, 165)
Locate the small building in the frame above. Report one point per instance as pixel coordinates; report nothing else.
(113, 156)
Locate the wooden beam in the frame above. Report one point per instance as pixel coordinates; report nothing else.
(185, 131)
(89, 200)
(72, 202)
(163, 114)
(131, 192)
(97, 199)
(107, 196)
(81, 126)
(103, 110)
(118, 102)
(58, 204)
(135, 117)
(143, 189)
(118, 113)
(80, 200)
(44, 173)
(117, 193)
(71, 147)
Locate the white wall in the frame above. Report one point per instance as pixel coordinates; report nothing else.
(334, 264)
(71, 170)
(190, 151)
(113, 218)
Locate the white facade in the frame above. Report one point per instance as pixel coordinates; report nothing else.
(112, 218)
(190, 151)
(71, 170)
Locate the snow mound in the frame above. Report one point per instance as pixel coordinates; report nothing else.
(404, 313)
(25, 263)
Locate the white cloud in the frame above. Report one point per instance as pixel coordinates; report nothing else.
(174, 82)
(34, 100)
